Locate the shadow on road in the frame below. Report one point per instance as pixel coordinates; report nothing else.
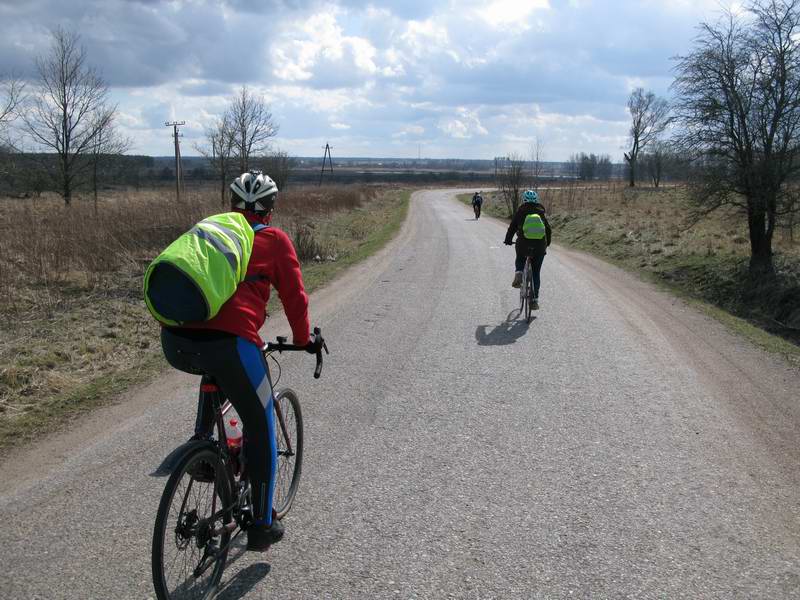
(244, 581)
(507, 332)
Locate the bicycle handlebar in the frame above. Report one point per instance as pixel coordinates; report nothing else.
(317, 342)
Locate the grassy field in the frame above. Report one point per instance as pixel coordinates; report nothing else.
(646, 230)
(76, 331)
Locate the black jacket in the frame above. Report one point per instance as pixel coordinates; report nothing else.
(537, 247)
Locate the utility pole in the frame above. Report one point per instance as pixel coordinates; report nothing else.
(178, 171)
(330, 162)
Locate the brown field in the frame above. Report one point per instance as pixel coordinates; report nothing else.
(75, 328)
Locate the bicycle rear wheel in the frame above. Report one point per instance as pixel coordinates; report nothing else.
(186, 561)
(522, 296)
(289, 432)
(527, 285)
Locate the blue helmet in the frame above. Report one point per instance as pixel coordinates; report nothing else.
(530, 196)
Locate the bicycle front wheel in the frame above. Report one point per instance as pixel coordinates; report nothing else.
(528, 285)
(289, 433)
(190, 538)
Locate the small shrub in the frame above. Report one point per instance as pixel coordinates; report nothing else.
(305, 243)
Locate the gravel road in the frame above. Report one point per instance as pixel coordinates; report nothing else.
(622, 445)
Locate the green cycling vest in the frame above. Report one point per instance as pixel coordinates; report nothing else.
(198, 272)
(533, 227)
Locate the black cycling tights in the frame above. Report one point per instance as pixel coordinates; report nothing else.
(241, 372)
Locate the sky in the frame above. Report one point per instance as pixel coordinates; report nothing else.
(456, 79)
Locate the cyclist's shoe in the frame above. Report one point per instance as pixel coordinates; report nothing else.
(517, 279)
(202, 471)
(535, 304)
(260, 537)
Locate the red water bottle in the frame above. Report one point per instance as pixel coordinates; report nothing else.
(233, 432)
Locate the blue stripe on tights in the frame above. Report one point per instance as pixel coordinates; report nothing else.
(254, 366)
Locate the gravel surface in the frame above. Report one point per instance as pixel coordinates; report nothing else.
(620, 446)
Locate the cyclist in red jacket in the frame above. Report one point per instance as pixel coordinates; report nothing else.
(228, 347)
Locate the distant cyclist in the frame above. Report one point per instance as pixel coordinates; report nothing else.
(532, 238)
(477, 202)
(228, 346)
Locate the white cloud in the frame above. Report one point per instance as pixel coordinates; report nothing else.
(409, 131)
(464, 125)
(318, 47)
(462, 77)
(502, 13)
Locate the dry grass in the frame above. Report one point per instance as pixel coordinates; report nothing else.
(71, 307)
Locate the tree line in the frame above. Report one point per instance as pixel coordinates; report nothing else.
(732, 131)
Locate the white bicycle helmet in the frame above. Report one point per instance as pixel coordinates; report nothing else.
(254, 191)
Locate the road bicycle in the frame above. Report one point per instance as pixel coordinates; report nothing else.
(206, 502)
(527, 301)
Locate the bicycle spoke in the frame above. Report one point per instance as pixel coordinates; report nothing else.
(289, 442)
(191, 530)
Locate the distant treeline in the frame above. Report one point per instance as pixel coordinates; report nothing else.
(31, 174)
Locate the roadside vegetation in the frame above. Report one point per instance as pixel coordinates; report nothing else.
(649, 230)
(75, 329)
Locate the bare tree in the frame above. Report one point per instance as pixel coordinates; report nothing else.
(655, 162)
(69, 108)
(279, 166)
(586, 165)
(604, 167)
(251, 126)
(11, 95)
(218, 150)
(511, 178)
(537, 162)
(108, 145)
(738, 96)
(649, 119)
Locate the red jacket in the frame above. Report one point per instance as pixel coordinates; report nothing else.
(275, 261)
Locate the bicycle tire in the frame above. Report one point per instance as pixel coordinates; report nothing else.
(527, 287)
(522, 297)
(290, 466)
(528, 292)
(205, 455)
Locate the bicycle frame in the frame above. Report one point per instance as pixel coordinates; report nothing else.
(281, 421)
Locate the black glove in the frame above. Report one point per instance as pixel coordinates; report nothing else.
(315, 345)
(507, 243)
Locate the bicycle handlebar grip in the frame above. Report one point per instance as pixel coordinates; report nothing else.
(318, 370)
(318, 343)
